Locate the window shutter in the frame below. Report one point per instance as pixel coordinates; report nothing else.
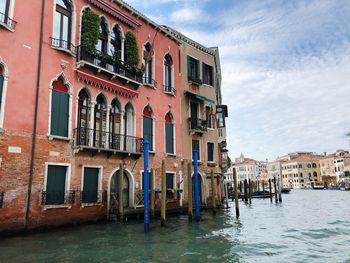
(198, 70)
(90, 185)
(188, 67)
(64, 114)
(55, 110)
(148, 131)
(169, 137)
(55, 185)
(169, 181)
(59, 113)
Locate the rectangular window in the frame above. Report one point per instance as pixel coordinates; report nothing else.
(56, 185)
(90, 186)
(193, 69)
(143, 180)
(208, 77)
(148, 131)
(169, 138)
(169, 185)
(195, 147)
(208, 116)
(210, 149)
(59, 113)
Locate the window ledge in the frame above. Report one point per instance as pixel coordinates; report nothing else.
(55, 137)
(170, 154)
(149, 85)
(212, 164)
(69, 52)
(152, 152)
(207, 85)
(49, 207)
(170, 93)
(4, 25)
(83, 205)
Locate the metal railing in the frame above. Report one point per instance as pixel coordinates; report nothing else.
(169, 89)
(149, 81)
(5, 19)
(63, 44)
(109, 63)
(2, 199)
(100, 198)
(106, 140)
(67, 198)
(198, 124)
(195, 79)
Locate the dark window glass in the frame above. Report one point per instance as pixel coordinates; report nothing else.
(100, 122)
(169, 134)
(116, 42)
(168, 64)
(210, 150)
(169, 185)
(83, 118)
(55, 185)
(208, 116)
(193, 69)
(62, 20)
(148, 126)
(147, 60)
(208, 74)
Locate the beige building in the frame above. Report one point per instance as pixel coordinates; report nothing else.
(301, 172)
(274, 169)
(203, 116)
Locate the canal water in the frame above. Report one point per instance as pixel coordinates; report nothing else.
(309, 226)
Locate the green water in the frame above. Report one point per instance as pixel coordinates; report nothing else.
(309, 226)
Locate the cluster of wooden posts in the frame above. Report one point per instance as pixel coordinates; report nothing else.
(248, 187)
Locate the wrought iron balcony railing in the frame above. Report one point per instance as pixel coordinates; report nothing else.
(195, 79)
(169, 90)
(5, 19)
(109, 63)
(90, 138)
(2, 199)
(66, 198)
(99, 198)
(63, 44)
(149, 81)
(198, 124)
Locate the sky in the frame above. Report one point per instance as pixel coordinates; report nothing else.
(285, 68)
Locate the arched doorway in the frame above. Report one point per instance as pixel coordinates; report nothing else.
(114, 191)
(201, 189)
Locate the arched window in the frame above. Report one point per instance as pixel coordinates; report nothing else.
(101, 46)
(148, 126)
(129, 142)
(315, 174)
(116, 42)
(115, 125)
(63, 24)
(83, 118)
(169, 134)
(314, 165)
(100, 122)
(59, 109)
(148, 63)
(168, 74)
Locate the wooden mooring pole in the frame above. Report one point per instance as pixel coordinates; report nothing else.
(152, 192)
(120, 190)
(280, 185)
(250, 191)
(270, 188)
(189, 190)
(263, 187)
(276, 194)
(213, 191)
(236, 191)
(245, 190)
(163, 207)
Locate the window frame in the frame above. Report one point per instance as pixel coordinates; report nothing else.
(206, 81)
(64, 12)
(99, 186)
(174, 135)
(196, 70)
(199, 149)
(213, 150)
(67, 182)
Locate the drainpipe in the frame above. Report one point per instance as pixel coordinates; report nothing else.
(32, 157)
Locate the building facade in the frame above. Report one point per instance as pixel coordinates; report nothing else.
(94, 78)
(248, 169)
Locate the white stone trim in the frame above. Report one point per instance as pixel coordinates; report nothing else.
(4, 92)
(149, 173)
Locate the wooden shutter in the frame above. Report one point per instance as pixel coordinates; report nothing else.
(188, 67)
(55, 185)
(169, 181)
(59, 113)
(90, 185)
(169, 137)
(148, 131)
(198, 75)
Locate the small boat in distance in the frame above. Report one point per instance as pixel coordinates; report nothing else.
(285, 190)
(262, 194)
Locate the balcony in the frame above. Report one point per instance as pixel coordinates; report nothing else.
(195, 80)
(108, 65)
(169, 90)
(197, 125)
(64, 46)
(7, 22)
(149, 82)
(111, 143)
(66, 198)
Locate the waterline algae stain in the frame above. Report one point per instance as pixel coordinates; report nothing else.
(316, 231)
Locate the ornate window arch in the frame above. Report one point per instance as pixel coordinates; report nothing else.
(168, 74)
(83, 118)
(63, 25)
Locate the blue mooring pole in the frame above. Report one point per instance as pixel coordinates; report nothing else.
(196, 187)
(145, 186)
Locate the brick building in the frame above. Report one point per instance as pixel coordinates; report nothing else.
(76, 103)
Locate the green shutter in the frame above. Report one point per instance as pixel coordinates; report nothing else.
(169, 180)
(148, 131)
(169, 137)
(198, 77)
(59, 114)
(55, 185)
(90, 185)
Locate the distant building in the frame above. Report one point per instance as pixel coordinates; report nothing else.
(301, 172)
(274, 169)
(293, 155)
(248, 168)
